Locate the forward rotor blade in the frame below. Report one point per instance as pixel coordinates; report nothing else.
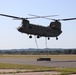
(11, 16)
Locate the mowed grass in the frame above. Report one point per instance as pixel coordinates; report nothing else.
(66, 71)
(22, 66)
(34, 68)
(57, 57)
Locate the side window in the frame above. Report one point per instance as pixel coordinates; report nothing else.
(30, 27)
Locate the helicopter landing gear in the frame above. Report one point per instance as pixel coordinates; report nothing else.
(38, 36)
(30, 36)
(48, 38)
(56, 38)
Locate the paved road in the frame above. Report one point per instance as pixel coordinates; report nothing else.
(53, 63)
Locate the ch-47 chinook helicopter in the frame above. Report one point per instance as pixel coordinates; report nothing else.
(53, 30)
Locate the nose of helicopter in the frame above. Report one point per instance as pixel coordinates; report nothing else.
(19, 29)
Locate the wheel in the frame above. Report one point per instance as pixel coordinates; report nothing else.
(38, 36)
(56, 38)
(48, 38)
(30, 36)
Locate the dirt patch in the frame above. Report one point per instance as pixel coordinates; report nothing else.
(25, 72)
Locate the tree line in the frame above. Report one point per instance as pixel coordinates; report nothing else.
(39, 52)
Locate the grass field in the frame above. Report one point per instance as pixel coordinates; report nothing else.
(64, 71)
(33, 68)
(63, 57)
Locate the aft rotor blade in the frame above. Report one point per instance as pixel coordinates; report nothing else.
(67, 19)
(42, 16)
(11, 16)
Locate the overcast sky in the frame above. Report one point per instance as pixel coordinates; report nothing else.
(10, 38)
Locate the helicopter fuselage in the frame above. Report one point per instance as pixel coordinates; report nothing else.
(38, 30)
